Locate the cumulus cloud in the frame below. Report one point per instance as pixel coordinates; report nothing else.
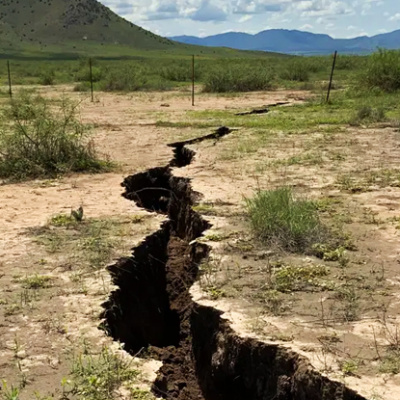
(214, 16)
(208, 12)
(395, 17)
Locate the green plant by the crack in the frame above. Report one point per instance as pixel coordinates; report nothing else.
(290, 278)
(8, 393)
(349, 367)
(328, 253)
(214, 292)
(273, 301)
(43, 140)
(350, 301)
(278, 217)
(390, 363)
(36, 281)
(97, 377)
(205, 209)
(76, 216)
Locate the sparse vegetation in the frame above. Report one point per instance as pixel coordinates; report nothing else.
(36, 281)
(97, 377)
(39, 141)
(92, 241)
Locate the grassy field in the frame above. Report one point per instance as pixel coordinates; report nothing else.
(150, 71)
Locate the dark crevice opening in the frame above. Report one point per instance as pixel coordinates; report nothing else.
(152, 308)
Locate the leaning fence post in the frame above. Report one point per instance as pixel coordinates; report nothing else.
(331, 78)
(91, 78)
(9, 79)
(193, 77)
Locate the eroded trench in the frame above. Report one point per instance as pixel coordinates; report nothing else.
(203, 358)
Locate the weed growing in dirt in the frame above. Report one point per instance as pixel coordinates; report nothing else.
(98, 377)
(290, 278)
(278, 218)
(42, 141)
(36, 281)
(8, 393)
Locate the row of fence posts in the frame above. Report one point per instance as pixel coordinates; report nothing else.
(193, 79)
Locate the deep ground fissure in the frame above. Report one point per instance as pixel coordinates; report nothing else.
(152, 310)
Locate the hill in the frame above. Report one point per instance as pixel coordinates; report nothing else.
(295, 42)
(69, 28)
(52, 22)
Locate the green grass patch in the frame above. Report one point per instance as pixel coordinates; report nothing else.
(277, 217)
(98, 377)
(36, 282)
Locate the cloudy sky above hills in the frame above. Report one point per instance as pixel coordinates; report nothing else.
(338, 18)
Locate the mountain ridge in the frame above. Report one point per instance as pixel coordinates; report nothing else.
(294, 41)
(70, 25)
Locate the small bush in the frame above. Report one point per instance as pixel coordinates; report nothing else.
(82, 87)
(83, 75)
(296, 71)
(237, 79)
(41, 141)
(383, 71)
(368, 114)
(47, 78)
(278, 218)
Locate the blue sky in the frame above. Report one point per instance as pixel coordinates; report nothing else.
(338, 18)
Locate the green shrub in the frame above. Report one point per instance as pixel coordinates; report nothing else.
(278, 218)
(296, 71)
(47, 78)
(237, 79)
(130, 79)
(82, 87)
(368, 114)
(177, 73)
(39, 140)
(83, 74)
(383, 71)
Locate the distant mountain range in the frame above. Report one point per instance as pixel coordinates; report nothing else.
(295, 42)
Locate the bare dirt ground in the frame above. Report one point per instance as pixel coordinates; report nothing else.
(345, 322)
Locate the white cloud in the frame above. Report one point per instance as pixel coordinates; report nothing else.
(214, 16)
(395, 17)
(245, 18)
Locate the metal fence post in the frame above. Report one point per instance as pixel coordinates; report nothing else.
(9, 79)
(331, 78)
